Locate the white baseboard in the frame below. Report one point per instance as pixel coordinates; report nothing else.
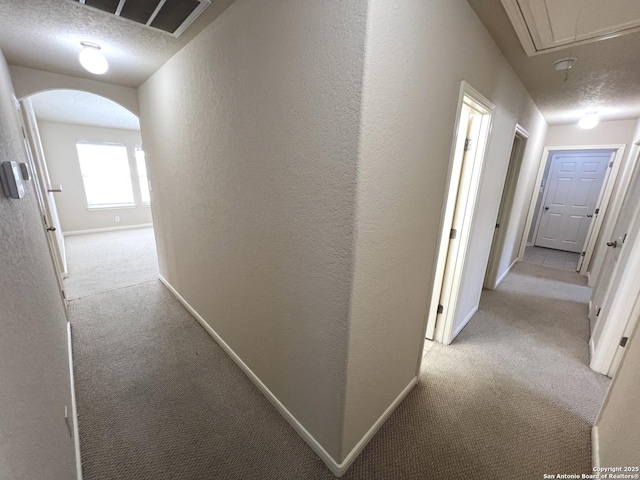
(74, 409)
(595, 447)
(506, 272)
(108, 229)
(338, 469)
(464, 323)
(346, 463)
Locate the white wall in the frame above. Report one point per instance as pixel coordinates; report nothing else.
(618, 425)
(417, 55)
(59, 143)
(254, 172)
(28, 81)
(34, 369)
(605, 133)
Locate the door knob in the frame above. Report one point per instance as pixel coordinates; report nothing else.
(546, 208)
(589, 216)
(51, 229)
(613, 244)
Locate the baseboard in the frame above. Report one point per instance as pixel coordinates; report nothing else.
(353, 454)
(529, 244)
(338, 469)
(108, 229)
(506, 272)
(595, 447)
(464, 323)
(74, 409)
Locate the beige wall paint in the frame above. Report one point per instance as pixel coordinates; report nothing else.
(254, 172)
(618, 424)
(28, 81)
(59, 143)
(416, 60)
(34, 369)
(605, 133)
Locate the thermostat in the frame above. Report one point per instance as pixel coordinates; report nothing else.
(11, 179)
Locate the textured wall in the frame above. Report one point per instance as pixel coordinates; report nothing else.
(34, 369)
(28, 82)
(417, 55)
(254, 167)
(59, 142)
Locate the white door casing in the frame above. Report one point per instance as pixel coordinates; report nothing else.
(570, 197)
(472, 130)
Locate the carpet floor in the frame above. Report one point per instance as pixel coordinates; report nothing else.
(99, 262)
(511, 398)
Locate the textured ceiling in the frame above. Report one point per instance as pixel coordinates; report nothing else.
(46, 35)
(81, 108)
(605, 78)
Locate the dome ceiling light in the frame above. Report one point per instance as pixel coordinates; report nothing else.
(92, 59)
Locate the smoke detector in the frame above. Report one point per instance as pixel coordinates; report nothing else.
(564, 64)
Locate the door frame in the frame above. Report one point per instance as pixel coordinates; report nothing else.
(603, 200)
(445, 324)
(510, 187)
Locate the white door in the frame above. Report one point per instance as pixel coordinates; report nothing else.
(571, 194)
(601, 289)
(44, 194)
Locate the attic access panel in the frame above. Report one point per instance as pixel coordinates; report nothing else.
(549, 25)
(169, 16)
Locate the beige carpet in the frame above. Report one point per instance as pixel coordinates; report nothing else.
(512, 398)
(99, 262)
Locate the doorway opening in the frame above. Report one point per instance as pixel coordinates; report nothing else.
(475, 115)
(504, 222)
(568, 208)
(91, 177)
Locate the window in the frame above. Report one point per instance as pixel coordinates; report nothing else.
(142, 175)
(106, 174)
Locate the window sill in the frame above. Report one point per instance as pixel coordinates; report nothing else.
(111, 207)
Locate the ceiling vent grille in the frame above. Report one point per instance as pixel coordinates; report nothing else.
(169, 16)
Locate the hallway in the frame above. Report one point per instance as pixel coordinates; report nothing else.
(512, 396)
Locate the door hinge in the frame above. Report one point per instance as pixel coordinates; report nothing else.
(467, 145)
(623, 342)
(598, 312)
(440, 309)
(453, 233)
(497, 225)
(611, 164)
(583, 254)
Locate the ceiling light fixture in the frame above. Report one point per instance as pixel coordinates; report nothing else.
(92, 59)
(589, 120)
